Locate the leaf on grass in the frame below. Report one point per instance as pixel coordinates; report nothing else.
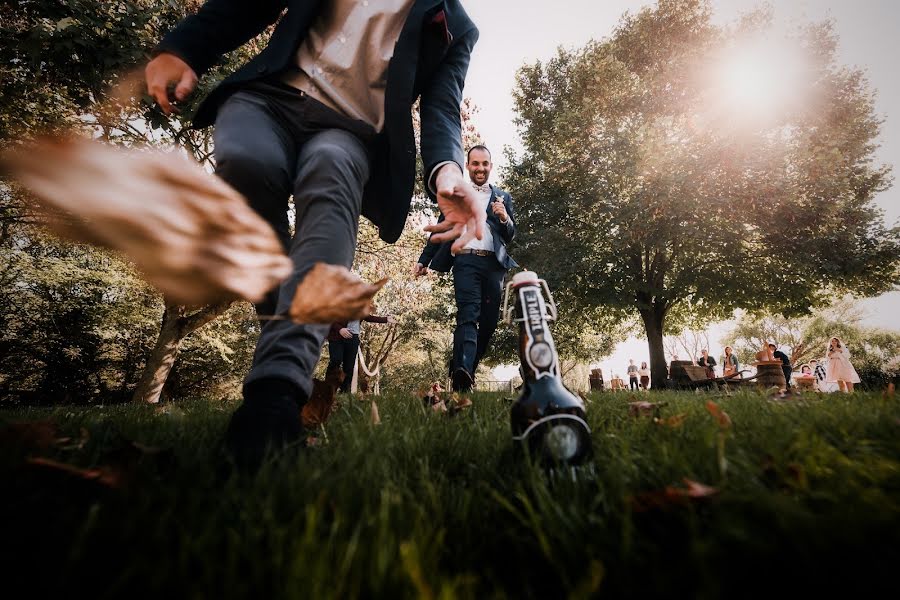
(642, 408)
(191, 235)
(720, 416)
(376, 418)
(323, 400)
(673, 422)
(331, 293)
(34, 435)
(106, 476)
(457, 404)
(693, 491)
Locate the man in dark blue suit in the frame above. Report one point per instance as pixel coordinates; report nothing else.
(478, 271)
(323, 114)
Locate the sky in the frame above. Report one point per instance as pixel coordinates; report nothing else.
(516, 32)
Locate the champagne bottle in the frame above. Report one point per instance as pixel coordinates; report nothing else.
(547, 419)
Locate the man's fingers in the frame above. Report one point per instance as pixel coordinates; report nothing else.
(186, 85)
(479, 219)
(446, 236)
(438, 227)
(464, 239)
(161, 96)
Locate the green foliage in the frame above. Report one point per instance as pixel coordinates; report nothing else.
(429, 506)
(638, 191)
(75, 322)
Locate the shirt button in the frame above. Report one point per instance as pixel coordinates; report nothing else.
(342, 39)
(365, 2)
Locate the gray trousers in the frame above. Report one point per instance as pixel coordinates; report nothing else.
(272, 142)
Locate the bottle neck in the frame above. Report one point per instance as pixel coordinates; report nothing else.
(536, 348)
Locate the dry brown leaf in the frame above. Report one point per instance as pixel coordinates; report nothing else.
(193, 237)
(332, 293)
(34, 435)
(643, 408)
(376, 418)
(721, 417)
(889, 392)
(674, 421)
(672, 496)
(322, 401)
(107, 476)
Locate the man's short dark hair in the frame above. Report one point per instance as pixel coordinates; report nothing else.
(478, 147)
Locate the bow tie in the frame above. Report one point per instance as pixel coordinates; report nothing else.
(484, 189)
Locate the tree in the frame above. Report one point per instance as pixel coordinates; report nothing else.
(641, 189)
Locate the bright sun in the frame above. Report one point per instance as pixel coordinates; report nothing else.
(759, 79)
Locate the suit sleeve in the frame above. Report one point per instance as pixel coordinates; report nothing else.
(440, 108)
(218, 27)
(430, 249)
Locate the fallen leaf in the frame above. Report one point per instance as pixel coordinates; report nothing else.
(672, 496)
(330, 293)
(34, 435)
(673, 422)
(376, 418)
(106, 476)
(190, 234)
(642, 408)
(721, 417)
(888, 393)
(323, 400)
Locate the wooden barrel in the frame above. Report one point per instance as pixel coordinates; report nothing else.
(770, 374)
(677, 372)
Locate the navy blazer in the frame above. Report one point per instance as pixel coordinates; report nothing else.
(430, 62)
(438, 256)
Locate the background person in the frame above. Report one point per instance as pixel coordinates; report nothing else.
(632, 375)
(478, 271)
(644, 373)
(785, 363)
(343, 344)
(840, 369)
(707, 362)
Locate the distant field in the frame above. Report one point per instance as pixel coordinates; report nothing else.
(805, 501)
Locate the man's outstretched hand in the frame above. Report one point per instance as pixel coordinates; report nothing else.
(332, 293)
(165, 70)
(463, 217)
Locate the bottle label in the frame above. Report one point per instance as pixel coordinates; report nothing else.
(540, 354)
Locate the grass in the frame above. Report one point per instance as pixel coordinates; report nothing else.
(433, 507)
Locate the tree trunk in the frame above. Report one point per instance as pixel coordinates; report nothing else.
(176, 325)
(653, 326)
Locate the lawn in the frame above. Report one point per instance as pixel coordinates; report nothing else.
(803, 499)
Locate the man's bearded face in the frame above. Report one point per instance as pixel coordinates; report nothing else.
(479, 166)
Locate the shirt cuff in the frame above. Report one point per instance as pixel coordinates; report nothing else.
(433, 174)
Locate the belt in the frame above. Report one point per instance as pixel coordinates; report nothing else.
(476, 252)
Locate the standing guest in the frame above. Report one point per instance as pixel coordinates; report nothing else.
(730, 366)
(644, 372)
(819, 373)
(478, 271)
(785, 363)
(840, 369)
(343, 344)
(323, 114)
(632, 375)
(708, 362)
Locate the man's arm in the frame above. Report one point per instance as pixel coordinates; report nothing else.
(440, 110)
(508, 229)
(218, 27)
(430, 249)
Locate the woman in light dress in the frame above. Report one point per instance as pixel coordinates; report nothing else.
(839, 368)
